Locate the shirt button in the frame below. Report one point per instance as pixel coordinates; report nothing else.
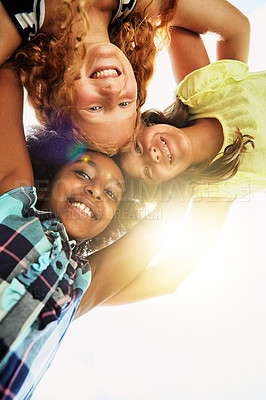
(37, 294)
(59, 264)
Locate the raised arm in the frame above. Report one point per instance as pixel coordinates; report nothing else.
(120, 273)
(10, 38)
(122, 262)
(187, 52)
(202, 16)
(16, 167)
(218, 16)
(191, 244)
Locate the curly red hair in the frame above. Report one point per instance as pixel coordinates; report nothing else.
(48, 66)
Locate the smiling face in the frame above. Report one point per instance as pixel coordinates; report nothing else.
(85, 195)
(106, 95)
(161, 153)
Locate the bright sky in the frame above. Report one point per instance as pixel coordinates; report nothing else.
(205, 342)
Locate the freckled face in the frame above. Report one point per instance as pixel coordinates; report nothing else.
(161, 153)
(106, 94)
(85, 195)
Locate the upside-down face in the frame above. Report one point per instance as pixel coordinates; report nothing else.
(106, 94)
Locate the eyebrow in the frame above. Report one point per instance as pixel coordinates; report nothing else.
(98, 169)
(119, 184)
(90, 163)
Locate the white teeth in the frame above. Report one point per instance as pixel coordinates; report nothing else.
(105, 73)
(167, 150)
(83, 208)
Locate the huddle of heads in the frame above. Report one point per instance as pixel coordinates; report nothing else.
(94, 94)
(84, 187)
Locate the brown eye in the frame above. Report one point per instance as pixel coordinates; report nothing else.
(110, 194)
(82, 174)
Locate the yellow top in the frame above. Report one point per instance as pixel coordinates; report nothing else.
(226, 90)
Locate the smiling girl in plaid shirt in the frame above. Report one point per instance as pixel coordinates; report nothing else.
(42, 280)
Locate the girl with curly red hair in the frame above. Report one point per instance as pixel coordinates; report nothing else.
(90, 64)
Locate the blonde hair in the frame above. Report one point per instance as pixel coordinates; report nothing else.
(48, 66)
(224, 166)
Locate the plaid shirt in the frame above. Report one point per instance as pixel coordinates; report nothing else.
(41, 284)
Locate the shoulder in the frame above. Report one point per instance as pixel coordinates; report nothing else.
(17, 201)
(210, 78)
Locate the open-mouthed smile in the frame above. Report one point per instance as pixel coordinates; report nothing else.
(103, 73)
(83, 209)
(167, 150)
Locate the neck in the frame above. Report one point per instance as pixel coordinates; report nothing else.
(206, 139)
(99, 13)
(99, 19)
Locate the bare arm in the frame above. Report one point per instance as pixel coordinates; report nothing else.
(221, 17)
(120, 273)
(202, 16)
(16, 167)
(10, 38)
(187, 52)
(122, 262)
(202, 228)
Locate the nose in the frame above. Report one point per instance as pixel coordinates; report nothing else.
(155, 154)
(111, 92)
(95, 191)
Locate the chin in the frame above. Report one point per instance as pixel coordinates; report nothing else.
(77, 238)
(80, 235)
(76, 232)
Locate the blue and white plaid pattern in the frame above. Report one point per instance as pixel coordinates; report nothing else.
(41, 284)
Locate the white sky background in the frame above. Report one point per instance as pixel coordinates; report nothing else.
(206, 341)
